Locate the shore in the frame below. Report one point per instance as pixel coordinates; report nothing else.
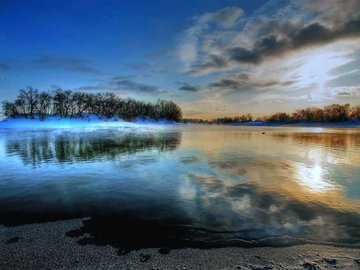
(94, 122)
(46, 246)
(66, 123)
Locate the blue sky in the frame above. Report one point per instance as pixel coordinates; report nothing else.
(214, 58)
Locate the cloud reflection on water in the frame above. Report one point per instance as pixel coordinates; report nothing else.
(217, 185)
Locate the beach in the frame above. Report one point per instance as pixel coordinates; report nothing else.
(46, 246)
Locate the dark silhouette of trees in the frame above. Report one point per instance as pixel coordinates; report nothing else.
(232, 120)
(310, 114)
(330, 113)
(279, 118)
(10, 109)
(44, 105)
(30, 99)
(30, 103)
(336, 113)
(355, 113)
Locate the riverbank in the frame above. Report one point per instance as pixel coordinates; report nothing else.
(94, 122)
(55, 122)
(46, 246)
(347, 124)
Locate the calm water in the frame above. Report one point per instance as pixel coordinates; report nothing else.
(186, 186)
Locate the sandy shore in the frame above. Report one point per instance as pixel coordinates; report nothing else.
(46, 246)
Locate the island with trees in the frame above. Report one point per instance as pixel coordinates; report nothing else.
(32, 103)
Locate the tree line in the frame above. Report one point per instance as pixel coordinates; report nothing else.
(327, 114)
(74, 104)
(235, 119)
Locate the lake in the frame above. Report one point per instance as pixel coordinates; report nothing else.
(186, 186)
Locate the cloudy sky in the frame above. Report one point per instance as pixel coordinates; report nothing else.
(214, 58)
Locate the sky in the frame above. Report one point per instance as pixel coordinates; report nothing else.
(213, 58)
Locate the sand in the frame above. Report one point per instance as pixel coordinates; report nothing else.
(46, 246)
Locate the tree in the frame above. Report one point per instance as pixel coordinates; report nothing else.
(10, 109)
(355, 113)
(44, 104)
(31, 98)
(279, 118)
(336, 113)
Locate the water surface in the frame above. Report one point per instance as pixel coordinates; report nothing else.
(202, 186)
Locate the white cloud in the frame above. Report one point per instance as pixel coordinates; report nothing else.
(196, 40)
(224, 18)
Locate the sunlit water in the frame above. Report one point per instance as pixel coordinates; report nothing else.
(187, 185)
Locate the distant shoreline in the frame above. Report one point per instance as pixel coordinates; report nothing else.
(335, 124)
(93, 121)
(346, 124)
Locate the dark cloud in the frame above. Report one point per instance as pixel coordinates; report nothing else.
(243, 82)
(285, 38)
(74, 64)
(344, 94)
(122, 83)
(189, 88)
(126, 83)
(243, 55)
(288, 83)
(213, 62)
(226, 83)
(311, 35)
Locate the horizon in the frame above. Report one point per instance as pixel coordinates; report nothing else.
(220, 59)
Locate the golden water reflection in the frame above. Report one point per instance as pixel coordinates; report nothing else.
(320, 165)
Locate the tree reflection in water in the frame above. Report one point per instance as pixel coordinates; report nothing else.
(79, 147)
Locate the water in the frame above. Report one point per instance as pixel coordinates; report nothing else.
(202, 186)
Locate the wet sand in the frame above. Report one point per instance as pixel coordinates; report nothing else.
(46, 246)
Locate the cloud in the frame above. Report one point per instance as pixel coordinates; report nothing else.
(227, 83)
(348, 79)
(344, 94)
(214, 62)
(89, 88)
(125, 84)
(244, 82)
(267, 35)
(128, 83)
(189, 88)
(73, 64)
(187, 52)
(334, 12)
(192, 45)
(123, 77)
(223, 18)
(277, 46)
